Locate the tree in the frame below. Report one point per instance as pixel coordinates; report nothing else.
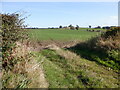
(89, 26)
(71, 27)
(99, 26)
(77, 27)
(60, 26)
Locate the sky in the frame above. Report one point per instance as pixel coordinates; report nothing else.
(60, 0)
(54, 14)
(119, 14)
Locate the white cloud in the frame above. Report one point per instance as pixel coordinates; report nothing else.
(60, 0)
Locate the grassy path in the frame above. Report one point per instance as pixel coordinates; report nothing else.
(64, 69)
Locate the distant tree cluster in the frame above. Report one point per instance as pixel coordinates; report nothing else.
(71, 27)
(98, 27)
(105, 27)
(32, 28)
(52, 28)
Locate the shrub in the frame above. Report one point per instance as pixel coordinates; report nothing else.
(110, 40)
(12, 31)
(104, 49)
(113, 32)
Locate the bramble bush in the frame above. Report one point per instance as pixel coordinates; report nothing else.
(12, 31)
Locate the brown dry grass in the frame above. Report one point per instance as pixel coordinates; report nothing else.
(39, 45)
(110, 42)
(26, 70)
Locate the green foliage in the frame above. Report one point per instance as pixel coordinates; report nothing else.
(12, 31)
(77, 27)
(60, 26)
(110, 59)
(114, 55)
(103, 49)
(113, 32)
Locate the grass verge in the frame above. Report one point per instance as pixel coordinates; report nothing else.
(75, 73)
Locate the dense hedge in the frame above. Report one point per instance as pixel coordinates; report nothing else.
(12, 31)
(113, 32)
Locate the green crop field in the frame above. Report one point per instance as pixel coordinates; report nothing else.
(60, 34)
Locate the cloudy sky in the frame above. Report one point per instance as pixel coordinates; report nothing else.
(53, 14)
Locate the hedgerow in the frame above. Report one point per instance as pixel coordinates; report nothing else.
(12, 31)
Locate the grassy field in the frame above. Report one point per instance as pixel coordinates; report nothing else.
(59, 58)
(60, 34)
(77, 66)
